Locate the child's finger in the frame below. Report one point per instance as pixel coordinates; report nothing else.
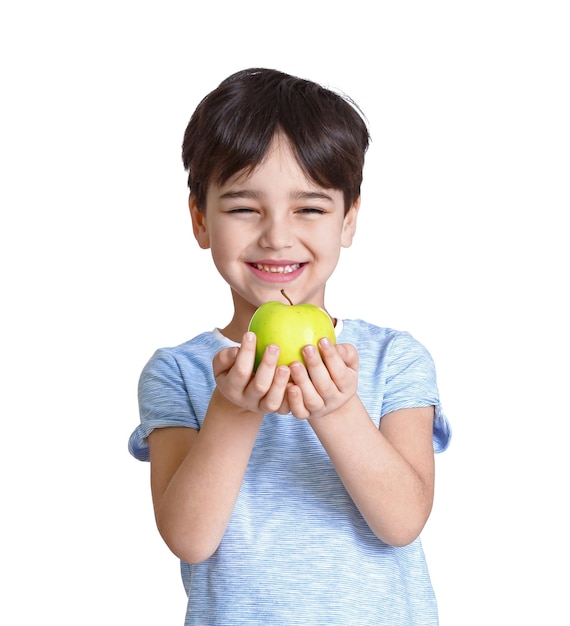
(263, 378)
(295, 402)
(311, 398)
(348, 354)
(318, 372)
(224, 360)
(273, 401)
(245, 358)
(341, 363)
(332, 356)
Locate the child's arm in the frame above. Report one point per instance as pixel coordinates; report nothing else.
(196, 475)
(389, 472)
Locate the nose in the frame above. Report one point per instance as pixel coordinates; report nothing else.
(276, 233)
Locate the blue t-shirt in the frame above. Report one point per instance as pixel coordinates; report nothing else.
(296, 550)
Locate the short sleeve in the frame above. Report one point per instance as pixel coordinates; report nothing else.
(163, 401)
(411, 382)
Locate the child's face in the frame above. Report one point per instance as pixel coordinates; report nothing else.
(274, 229)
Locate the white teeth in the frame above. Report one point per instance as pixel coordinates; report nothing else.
(277, 269)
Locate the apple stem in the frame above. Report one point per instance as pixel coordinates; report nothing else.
(287, 297)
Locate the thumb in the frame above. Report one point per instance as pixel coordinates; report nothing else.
(348, 354)
(224, 360)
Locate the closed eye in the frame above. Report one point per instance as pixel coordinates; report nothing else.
(311, 210)
(241, 209)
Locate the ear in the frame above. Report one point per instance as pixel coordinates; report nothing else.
(199, 224)
(349, 224)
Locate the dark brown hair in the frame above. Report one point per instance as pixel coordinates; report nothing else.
(234, 125)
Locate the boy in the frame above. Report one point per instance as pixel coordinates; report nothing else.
(295, 494)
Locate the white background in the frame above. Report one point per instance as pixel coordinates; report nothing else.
(463, 241)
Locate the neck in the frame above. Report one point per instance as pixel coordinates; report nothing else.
(243, 312)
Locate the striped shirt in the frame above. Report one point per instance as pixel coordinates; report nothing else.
(297, 550)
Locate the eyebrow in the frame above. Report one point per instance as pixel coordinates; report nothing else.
(311, 195)
(256, 195)
(242, 193)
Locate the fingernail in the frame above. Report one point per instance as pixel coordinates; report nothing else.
(249, 336)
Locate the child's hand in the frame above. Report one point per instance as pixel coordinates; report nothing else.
(326, 383)
(263, 392)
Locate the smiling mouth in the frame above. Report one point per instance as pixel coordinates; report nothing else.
(277, 269)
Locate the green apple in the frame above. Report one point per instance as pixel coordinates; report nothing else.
(291, 327)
